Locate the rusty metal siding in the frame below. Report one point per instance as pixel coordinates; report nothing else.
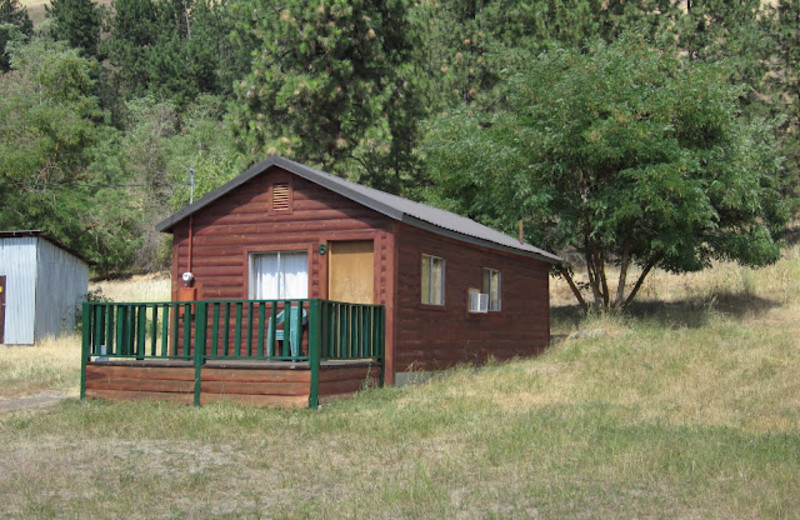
(62, 283)
(18, 264)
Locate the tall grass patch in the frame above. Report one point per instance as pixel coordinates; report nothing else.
(155, 287)
(411, 454)
(52, 365)
(687, 407)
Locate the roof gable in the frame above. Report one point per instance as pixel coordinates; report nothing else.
(35, 233)
(416, 214)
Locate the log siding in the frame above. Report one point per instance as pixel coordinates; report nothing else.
(432, 337)
(236, 223)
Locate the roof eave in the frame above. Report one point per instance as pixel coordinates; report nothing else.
(168, 223)
(37, 233)
(461, 237)
(312, 175)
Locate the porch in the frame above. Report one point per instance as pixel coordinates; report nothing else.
(260, 352)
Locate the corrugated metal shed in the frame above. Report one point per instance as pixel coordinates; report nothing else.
(45, 281)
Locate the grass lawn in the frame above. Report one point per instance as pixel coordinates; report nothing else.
(689, 407)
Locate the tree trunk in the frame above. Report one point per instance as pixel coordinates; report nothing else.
(601, 266)
(639, 282)
(623, 274)
(594, 283)
(575, 290)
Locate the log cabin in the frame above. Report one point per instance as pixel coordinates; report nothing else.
(451, 291)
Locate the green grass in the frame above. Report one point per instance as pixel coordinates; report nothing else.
(687, 408)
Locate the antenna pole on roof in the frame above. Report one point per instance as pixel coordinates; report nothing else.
(521, 233)
(191, 185)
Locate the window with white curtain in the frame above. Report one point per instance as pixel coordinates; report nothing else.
(491, 286)
(432, 290)
(279, 275)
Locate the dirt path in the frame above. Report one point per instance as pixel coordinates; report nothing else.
(32, 401)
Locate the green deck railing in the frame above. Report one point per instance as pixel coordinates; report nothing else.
(308, 330)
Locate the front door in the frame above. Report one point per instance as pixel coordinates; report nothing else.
(2, 309)
(350, 271)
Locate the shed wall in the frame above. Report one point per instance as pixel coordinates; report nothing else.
(436, 337)
(63, 281)
(18, 264)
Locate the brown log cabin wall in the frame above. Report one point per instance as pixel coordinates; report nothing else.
(418, 337)
(433, 337)
(241, 222)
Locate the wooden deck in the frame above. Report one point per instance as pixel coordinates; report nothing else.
(252, 382)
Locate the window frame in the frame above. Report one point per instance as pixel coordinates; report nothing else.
(251, 283)
(432, 260)
(486, 287)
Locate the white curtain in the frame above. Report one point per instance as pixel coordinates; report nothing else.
(280, 275)
(265, 277)
(295, 275)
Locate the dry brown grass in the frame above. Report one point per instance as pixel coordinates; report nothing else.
(51, 366)
(778, 282)
(36, 10)
(155, 287)
(717, 347)
(686, 408)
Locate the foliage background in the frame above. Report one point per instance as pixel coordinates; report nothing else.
(107, 107)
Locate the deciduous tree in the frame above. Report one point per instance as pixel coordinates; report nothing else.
(629, 155)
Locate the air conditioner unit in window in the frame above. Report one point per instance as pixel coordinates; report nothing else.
(478, 302)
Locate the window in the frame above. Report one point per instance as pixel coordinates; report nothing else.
(491, 286)
(282, 275)
(432, 280)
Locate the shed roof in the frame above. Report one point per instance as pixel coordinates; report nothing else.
(413, 213)
(41, 234)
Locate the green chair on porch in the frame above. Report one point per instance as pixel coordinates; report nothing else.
(295, 326)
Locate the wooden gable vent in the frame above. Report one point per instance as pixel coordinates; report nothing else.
(280, 196)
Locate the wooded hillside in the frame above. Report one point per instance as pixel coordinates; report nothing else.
(105, 112)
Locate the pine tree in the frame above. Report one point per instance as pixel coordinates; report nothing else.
(333, 84)
(77, 22)
(13, 20)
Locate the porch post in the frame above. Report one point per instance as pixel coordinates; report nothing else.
(381, 326)
(314, 347)
(199, 348)
(86, 330)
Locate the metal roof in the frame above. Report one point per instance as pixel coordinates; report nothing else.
(413, 213)
(52, 240)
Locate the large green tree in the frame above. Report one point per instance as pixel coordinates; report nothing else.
(628, 155)
(173, 49)
(76, 22)
(333, 84)
(467, 44)
(49, 131)
(785, 82)
(14, 21)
